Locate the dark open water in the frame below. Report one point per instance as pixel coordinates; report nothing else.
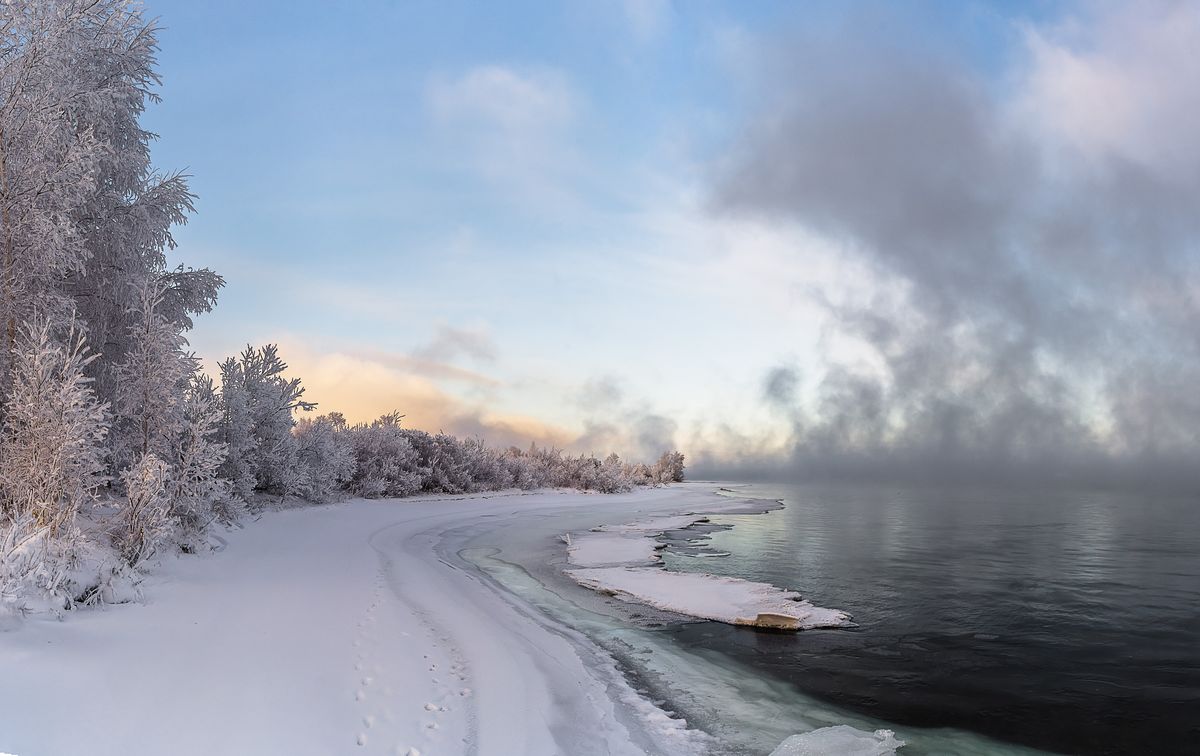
(1066, 622)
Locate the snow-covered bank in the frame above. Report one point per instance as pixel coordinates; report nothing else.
(325, 630)
(612, 559)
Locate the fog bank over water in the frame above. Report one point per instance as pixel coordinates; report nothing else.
(1032, 245)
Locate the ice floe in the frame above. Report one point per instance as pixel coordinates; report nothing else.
(622, 560)
(842, 740)
(724, 599)
(599, 549)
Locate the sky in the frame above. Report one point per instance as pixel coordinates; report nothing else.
(951, 239)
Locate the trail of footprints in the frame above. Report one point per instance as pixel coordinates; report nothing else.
(376, 701)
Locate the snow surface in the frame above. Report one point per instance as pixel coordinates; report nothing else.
(347, 628)
(599, 549)
(713, 597)
(323, 630)
(842, 740)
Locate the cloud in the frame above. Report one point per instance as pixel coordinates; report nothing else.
(511, 126)
(450, 343)
(1032, 266)
(363, 385)
(615, 421)
(497, 97)
(600, 393)
(1120, 83)
(780, 386)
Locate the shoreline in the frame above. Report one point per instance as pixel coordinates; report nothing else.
(332, 628)
(366, 626)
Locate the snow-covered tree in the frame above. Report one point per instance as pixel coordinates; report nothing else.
(612, 476)
(149, 409)
(48, 166)
(196, 494)
(84, 219)
(52, 456)
(258, 405)
(669, 468)
(325, 456)
(386, 463)
(145, 523)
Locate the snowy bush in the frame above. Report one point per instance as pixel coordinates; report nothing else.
(52, 444)
(35, 565)
(325, 457)
(145, 522)
(196, 494)
(669, 468)
(258, 405)
(386, 463)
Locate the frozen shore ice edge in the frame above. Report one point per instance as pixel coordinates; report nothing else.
(623, 560)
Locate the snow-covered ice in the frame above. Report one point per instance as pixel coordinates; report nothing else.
(612, 559)
(713, 597)
(655, 525)
(842, 740)
(599, 549)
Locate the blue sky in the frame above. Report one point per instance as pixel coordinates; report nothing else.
(499, 217)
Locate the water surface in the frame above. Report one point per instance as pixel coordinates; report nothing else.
(1067, 622)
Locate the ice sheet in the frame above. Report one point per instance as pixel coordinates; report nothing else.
(840, 740)
(712, 597)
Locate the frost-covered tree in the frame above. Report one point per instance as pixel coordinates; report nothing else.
(52, 455)
(84, 219)
(196, 494)
(669, 468)
(386, 463)
(145, 522)
(612, 476)
(48, 166)
(258, 405)
(149, 401)
(325, 456)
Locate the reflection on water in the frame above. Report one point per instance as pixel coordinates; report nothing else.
(1065, 622)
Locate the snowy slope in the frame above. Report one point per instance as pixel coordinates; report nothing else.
(315, 630)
